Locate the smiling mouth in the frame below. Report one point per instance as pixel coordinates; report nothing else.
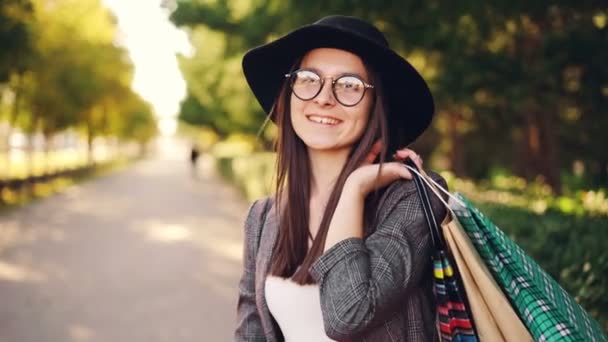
(323, 120)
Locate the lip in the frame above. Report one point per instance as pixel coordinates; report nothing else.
(323, 116)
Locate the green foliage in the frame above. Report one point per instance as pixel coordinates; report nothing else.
(71, 173)
(535, 197)
(520, 87)
(193, 113)
(214, 74)
(137, 121)
(63, 70)
(89, 74)
(218, 94)
(15, 38)
(520, 83)
(252, 174)
(202, 137)
(234, 145)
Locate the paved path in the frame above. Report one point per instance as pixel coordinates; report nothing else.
(145, 254)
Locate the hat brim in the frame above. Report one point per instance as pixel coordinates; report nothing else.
(410, 103)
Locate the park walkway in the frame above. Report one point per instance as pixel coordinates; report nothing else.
(148, 253)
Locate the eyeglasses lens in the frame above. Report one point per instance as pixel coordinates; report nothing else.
(348, 90)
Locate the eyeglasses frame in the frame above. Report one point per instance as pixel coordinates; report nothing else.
(333, 82)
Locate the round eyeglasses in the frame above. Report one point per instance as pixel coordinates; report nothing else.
(348, 89)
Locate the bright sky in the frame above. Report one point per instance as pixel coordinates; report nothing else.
(153, 41)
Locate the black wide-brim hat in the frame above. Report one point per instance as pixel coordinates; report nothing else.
(409, 100)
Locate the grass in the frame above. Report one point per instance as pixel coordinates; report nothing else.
(14, 198)
(18, 167)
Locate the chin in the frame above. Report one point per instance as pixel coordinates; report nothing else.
(324, 145)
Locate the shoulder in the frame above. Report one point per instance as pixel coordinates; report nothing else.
(257, 210)
(402, 195)
(260, 204)
(255, 217)
(405, 187)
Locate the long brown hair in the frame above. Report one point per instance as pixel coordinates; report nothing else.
(291, 257)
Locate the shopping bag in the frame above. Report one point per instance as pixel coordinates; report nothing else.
(545, 308)
(495, 319)
(453, 312)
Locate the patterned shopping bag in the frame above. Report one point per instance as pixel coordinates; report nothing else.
(549, 313)
(454, 317)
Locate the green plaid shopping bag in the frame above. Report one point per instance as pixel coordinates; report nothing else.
(549, 313)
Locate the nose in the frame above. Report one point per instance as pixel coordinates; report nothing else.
(326, 96)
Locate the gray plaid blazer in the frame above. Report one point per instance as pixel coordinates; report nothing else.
(377, 289)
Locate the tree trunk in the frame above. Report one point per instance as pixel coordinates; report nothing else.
(541, 139)
(457, 160)
(90, 160)
(531, 148)
(30, 144)
(142, 149)
(48, 145)
(11, 123)
(549, 148)
(599, 173)
(30, 164)
(541, 150)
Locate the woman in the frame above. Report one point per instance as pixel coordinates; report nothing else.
(342, 252)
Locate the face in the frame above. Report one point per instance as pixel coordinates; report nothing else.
(323, 123)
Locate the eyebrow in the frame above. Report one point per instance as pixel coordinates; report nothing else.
(336, 75)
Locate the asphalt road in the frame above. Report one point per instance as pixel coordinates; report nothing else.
(149, 253)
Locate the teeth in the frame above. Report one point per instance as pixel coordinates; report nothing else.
(323, 120)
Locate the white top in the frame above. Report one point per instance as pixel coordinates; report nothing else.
(296, 308)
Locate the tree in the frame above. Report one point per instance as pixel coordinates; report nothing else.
(88, 70)
(14, 36)
(138, 122)
(520, 83)
(70, 72)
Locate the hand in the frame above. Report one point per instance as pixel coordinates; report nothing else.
(366, 178)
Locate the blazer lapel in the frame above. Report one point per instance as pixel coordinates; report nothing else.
(267, 241)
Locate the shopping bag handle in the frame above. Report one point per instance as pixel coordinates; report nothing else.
(434, 228)
(434, 186)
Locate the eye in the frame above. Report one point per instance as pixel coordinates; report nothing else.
(349, 84)
(306, 77)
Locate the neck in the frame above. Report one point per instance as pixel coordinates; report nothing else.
(325, 167)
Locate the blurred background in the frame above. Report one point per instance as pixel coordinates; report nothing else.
(91, 90)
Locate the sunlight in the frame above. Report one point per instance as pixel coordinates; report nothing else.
(164, 232)
(220, 245)
(152, 42)
(224, 247)
(16, 273)
(80, 333)
(167, 126)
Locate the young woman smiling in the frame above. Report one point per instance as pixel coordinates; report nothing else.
(342, 251)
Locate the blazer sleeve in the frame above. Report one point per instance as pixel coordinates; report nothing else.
(249, 325)
(361, 281)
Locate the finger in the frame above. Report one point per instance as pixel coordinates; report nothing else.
(375, 151)
(403, 171)
(418, 161)
(405, 153)
(393, 171)
(376, 176)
